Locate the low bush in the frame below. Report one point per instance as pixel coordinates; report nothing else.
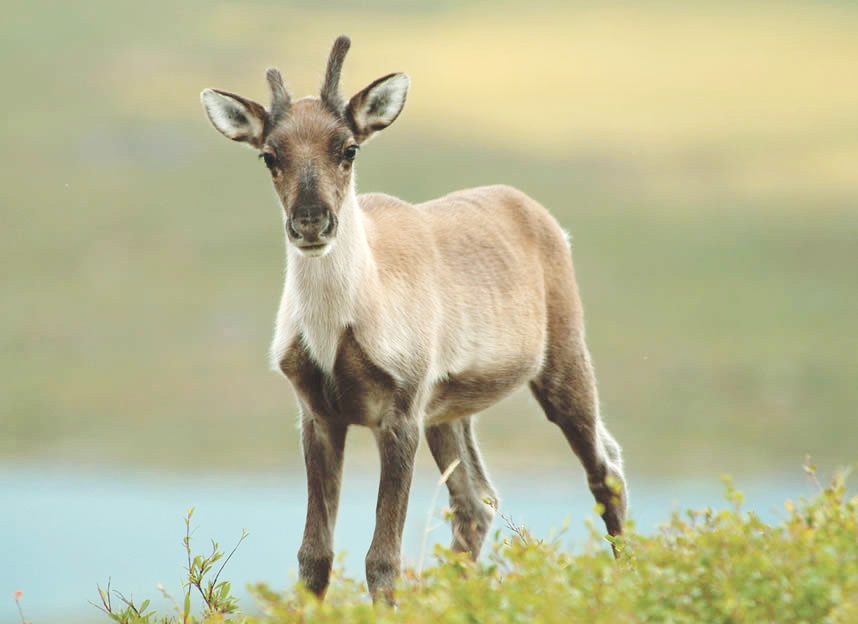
(702, 566)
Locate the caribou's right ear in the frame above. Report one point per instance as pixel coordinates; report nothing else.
(237, 118)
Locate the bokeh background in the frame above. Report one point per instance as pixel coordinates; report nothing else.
(704, 157)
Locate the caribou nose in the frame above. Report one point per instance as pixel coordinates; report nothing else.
(310, 226)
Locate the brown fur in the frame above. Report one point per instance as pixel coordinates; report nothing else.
(398, 316)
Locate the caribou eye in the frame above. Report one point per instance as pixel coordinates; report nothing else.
(270, 160)
(350, 153)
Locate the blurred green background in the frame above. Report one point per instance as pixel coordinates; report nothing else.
(704, 158)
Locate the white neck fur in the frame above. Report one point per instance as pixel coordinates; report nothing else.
(322, 291)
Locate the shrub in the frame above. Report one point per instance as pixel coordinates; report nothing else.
(702, 566)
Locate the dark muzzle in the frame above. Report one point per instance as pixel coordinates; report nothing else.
(311, 225)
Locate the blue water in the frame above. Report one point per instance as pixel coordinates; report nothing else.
(63, 532)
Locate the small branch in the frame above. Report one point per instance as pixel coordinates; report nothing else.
(244, 535)
(105, 599)
(512, 526)
(428, 528)
(169, 597)
(18, 595)
(810, 469)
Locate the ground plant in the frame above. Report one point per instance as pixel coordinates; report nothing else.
(702, 566)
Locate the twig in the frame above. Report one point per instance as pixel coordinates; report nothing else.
(512, 526)
(443, 480)
(169, 596)
(810, 469)
(105, 599)
(18, 594)
(244, 535)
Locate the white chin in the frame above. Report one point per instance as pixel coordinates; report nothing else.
(315, 252)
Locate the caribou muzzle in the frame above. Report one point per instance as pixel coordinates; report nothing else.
(311, 228)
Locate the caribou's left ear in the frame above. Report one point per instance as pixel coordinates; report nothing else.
(377, 106)
(236, 117)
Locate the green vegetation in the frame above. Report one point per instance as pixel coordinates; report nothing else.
(702, 156)
(704, 566)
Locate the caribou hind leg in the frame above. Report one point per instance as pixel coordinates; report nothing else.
(566, 390)
(479, 475)
(467, 484)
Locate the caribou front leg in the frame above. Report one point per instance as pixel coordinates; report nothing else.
(397, 444)
(323, 457)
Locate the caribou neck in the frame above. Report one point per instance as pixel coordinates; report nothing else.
(323, 292)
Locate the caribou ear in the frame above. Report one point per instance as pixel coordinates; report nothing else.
(235, 117)
(377, 106)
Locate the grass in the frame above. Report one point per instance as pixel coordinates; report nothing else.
(703, 566)
(702, 157)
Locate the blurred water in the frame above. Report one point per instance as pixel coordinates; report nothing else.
(61, 533)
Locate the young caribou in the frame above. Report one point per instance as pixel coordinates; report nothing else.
(396, 316)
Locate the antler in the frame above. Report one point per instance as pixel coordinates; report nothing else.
(280, 98)
(331, 97)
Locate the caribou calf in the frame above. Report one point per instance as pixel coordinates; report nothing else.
(397, 316)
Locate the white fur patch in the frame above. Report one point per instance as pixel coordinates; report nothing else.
(315, 252)
(382, 104)
(232, 118)
(320, 294)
